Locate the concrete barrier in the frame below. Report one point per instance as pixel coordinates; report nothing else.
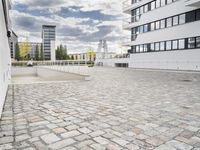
(47, 74)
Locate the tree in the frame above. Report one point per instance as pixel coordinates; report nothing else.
(41, 52)
(37, 52)
(17, 52)
(61, 53)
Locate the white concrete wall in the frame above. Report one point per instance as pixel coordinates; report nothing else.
(178, 60)
(112, 62)
(5, 60)
(51, 74)
(175, 32)
(46, 73)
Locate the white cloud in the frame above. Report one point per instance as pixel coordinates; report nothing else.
(74, 31)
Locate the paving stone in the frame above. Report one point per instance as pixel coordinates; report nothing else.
(98, 147)
(82, 137)
(101, 140)
(96, 133)
(70, 134)
(120, 141)
(84, 130)
(39, 123)
(84, 144)
(22, 137)
(59, 130)
(179, 145)
(61, 144)
(7, 139)
(50, 138)
(39, 133)
(52, 126)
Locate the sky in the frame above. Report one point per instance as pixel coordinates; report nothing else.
(80, 24)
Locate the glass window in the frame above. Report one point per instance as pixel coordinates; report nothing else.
(145, 28)
(157, 46)
(175, 44)
(152, 47)
(190, 16)
(162, 24)
(175, 20)
(152, 26)
(191, 42)
(145, 47)
(141, 29)
(162, 2)
(168, 45)
(198, 42)
(137, 49)
(145, 8)
(182, 19)
(169, 22)
(141, 48)
(157, 25)
(181, 44)
(141, 10)
(198, 14)
(137, 30)
(162, 46)
(153, 5)
(157, 3)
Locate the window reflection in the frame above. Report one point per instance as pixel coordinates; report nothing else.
(162, 46)
(175, 20)
(174, 44)
(181, 44)
(168, 45)
(191, 42)
(198, 42)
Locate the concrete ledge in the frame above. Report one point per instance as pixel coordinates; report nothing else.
(42, 74)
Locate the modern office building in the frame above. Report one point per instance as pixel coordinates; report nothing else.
(48, 42)
(5, 60)
(13, 40)
(165, 34)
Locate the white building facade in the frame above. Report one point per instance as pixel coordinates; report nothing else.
(5, 58)
(165, 34)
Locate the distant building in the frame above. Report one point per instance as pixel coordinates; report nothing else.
(13, 43)
(102, 50)
(28, 49)
(48, 42)
(88, 56)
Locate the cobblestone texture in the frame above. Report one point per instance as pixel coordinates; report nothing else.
(117, 109)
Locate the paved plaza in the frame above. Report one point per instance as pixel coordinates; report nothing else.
(119, 108)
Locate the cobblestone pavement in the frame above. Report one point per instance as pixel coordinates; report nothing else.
(117, 109)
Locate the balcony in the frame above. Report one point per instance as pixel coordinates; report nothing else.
(128, 40)
(127, 5)
(192, 3)
(128, 22)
